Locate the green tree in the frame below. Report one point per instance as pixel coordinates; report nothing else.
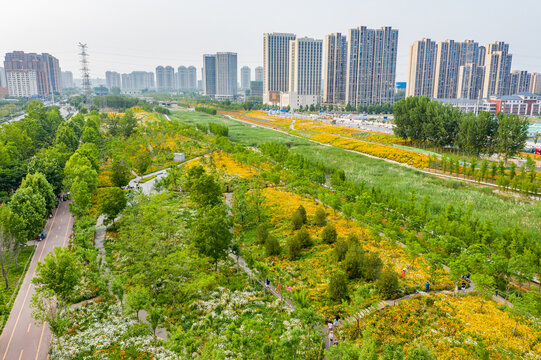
(137, 300)
(59, 272)
(304, 238)
(142, 161)
(211, 234)
(338, 287)
(205, 190)
(81, 195)
(420, 352)
(262, 233)
(7, 240)
(329, 234)
(111, 203)
(484, 285)
(272, 246)
(120, 172)
(320, 218)
(511, 135)
(39, 184)
(127, 123)
(293, 247)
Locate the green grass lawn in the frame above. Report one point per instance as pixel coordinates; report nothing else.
(13, 277)
(503, 211)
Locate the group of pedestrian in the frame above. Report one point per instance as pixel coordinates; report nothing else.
(333, 340)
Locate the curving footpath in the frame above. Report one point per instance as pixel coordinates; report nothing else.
(21, 337)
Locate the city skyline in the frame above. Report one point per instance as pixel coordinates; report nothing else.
(114, 47)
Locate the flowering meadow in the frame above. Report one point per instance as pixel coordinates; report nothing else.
(464, 327)
(411, 158)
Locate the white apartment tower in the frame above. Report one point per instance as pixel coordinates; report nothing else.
(519, 82)
(192, 78)
(209, 75)
(371, 66)
(335, 69)
(226, 75)
(422, 68)
(275, 65)
(182, 78)
(497, 69)
(259, 73)
(535, 83)
(447, 64)
(305, 56)
(245, 78)
(112, 78)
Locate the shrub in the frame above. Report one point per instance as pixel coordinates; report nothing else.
(340, 249)
(293, 247)
(387, 284)
(338, 287)
(329, 235)
(361, 265)
(352, 263)
(218, 130)
(301, 210)
(371, 266)
(272, 246)
(296, 220)
(261, 234)
(304, 238)
(205, 110)
(353, 239)
(320, 218)
(202, 128)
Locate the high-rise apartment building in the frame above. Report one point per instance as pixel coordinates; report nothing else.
(112, 78)
(165, 78)
(182, 78)
(447, 64)
(226, 75)
(275, 66)
(192, 78)
(259, 73)
(371, 65)
(535, 83)
(137, 80)
(209, 75)
(305, 57)
(519, 82)
(422, 68)
(470, 81)
(66, 79)
(3, 81)
(335, 69)
(31, 74)
(53, 72)
(497, 69)
(245, 77)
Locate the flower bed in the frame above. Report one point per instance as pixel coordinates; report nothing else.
(454, 328)
(399, 155)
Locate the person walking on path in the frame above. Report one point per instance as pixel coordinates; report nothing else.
(267, 282)
(427, 286)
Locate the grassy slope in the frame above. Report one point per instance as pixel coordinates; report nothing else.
(502, 211)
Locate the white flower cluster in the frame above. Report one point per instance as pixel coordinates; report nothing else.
(98, 332)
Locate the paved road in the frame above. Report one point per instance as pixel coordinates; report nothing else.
(21, 338)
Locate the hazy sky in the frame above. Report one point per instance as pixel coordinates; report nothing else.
(128, 35)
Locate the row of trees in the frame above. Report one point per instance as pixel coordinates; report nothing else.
(426, 121)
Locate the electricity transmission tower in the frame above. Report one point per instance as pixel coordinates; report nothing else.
(85, 72)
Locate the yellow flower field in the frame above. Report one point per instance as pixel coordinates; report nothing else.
(388, 152)
(454, 326)
(312, 271)
(322, 127)
(225, 163)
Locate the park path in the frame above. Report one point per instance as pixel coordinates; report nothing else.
(22, 338)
